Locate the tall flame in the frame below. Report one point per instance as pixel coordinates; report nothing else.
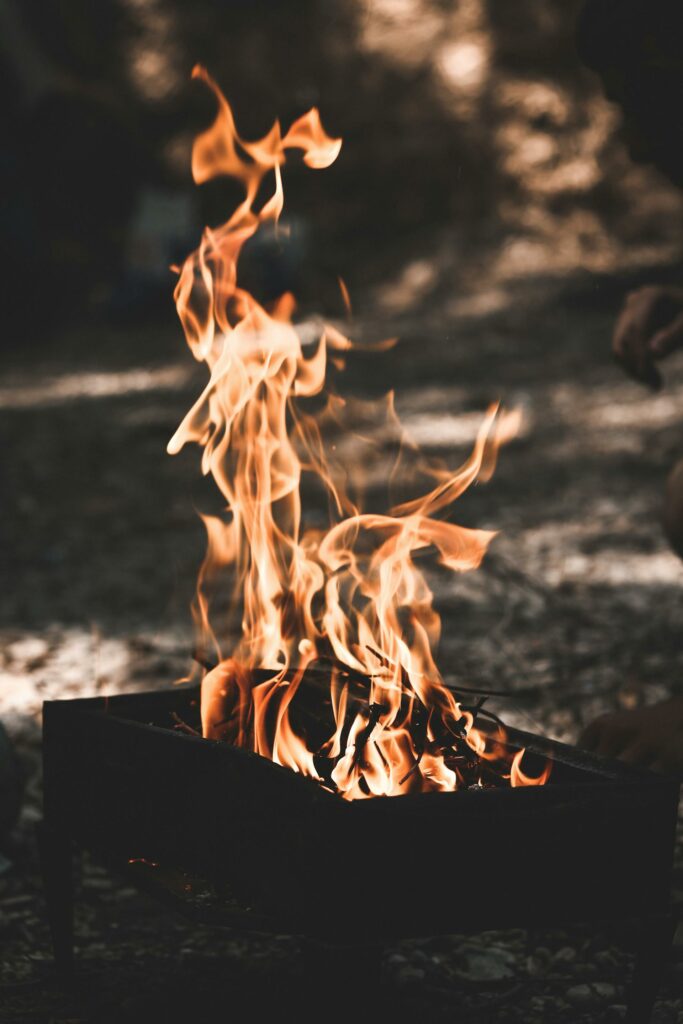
(346, 612)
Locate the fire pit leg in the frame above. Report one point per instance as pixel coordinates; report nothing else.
(654, 946)
(56, 862)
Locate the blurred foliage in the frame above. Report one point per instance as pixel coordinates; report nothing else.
(475, 143)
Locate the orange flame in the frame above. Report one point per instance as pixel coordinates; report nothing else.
(350, 599)
(519, 778)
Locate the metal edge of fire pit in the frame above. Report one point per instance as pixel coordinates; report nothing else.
(596, 843)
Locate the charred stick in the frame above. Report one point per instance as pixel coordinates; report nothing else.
(183, 726)
(375, 711)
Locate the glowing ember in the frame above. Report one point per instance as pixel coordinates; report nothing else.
(334, 675)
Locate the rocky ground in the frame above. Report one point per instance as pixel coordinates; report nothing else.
(579, 605)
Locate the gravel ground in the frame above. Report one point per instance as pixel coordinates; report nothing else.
(580, 604)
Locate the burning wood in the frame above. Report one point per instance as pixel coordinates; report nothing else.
(379, 721)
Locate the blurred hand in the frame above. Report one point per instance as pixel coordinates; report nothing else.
(651, 737)
(649, 327)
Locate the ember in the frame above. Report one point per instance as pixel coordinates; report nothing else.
(341, 621)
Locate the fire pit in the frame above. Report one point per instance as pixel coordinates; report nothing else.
(595, 843)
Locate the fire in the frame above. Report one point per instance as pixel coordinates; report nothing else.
(334, 675)
(520, 778)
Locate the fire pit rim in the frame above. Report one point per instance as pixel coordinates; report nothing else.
(605, 771)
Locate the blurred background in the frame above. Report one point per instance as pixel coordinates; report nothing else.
(478, 151)
(489, 207)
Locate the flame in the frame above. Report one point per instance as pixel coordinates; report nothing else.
(348, 606)
(519, 778)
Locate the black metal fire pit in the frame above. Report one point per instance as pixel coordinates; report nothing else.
(595, 843)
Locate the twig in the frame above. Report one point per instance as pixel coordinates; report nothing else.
(183, 726)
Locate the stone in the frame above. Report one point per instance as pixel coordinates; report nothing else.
(409, 977)
(493, 964)
(535, 966)
(28, 648)
(604, 989)
(580, 995)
